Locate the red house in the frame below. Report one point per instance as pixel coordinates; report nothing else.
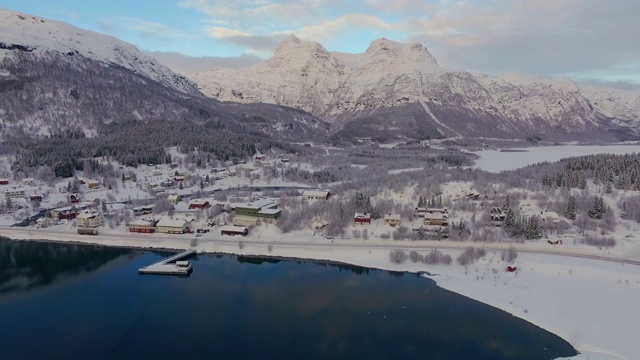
(67, 215)
(74, 198)
(4, 181)
(260, 157)
(362, 218)
(199, 204)
(35, 198)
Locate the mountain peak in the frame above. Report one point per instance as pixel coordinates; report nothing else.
(291, 39)
(413, 55)
(294, 48)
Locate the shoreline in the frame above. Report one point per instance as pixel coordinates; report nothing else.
(515, 295)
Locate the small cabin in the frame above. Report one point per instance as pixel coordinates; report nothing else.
(362, 218)
(234, 230)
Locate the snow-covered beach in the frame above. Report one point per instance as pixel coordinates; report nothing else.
(590, 303)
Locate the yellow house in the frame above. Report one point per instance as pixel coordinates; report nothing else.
(392, 220)
(174, 198)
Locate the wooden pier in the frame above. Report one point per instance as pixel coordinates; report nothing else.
(170, 266)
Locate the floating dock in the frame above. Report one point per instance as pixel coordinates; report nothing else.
(170, 266)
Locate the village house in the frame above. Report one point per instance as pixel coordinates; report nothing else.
(392, 220)
(28, 181)
(172, 226)
(14, 193)
(436, 219)
(497, 216)
(44, 222)
(142, 226)
(316, 195)
(199, 204)
(550, 217)
(89, 219)
(168, 183)
(174, 198)
(362, 218)
(93, 184)
(74, 198)
(4, 181)
(67, 214)
(234, 230)
(263, 209)
(35, 198)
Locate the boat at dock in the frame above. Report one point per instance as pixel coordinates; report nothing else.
(173, 265)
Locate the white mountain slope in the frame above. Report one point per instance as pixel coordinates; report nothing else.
(26, 33)
(623, 105)
(300, 74)
(389, 75)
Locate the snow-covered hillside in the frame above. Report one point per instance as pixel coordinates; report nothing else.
(26, 33)
(623, 105)
(342, 87)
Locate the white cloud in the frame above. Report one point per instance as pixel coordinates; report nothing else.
(188, 64)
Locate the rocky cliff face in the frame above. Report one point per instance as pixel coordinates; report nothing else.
(390, 76)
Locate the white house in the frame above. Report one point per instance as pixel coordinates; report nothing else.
(172, 226)
(14, 193)
(44, 222)
(28, 181)
(316, 195)
(89, 219)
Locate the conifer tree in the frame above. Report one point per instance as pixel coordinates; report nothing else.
(507, 204)
(532, 229)
(510, 220)
(597, 209)
(570, 211)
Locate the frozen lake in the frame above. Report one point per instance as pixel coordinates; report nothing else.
(496, 161)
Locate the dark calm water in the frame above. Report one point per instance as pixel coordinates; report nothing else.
(83, 302)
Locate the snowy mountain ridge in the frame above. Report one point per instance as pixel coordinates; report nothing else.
(27, 33)
(343, 87)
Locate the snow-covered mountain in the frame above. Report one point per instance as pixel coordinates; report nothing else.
(391, 79)
(21, 32)
(300, 74)
(56, 79)
(621, 105)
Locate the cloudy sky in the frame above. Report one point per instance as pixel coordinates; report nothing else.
(585, 39)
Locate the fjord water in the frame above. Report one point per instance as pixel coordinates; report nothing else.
(83, 302)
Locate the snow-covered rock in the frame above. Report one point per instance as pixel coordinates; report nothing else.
(26, 33)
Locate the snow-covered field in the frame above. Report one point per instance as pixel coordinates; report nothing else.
(496, 161)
